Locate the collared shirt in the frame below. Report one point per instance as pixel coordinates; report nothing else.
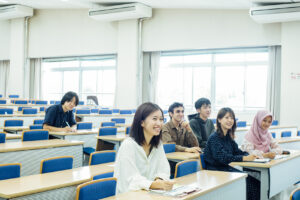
(55, 116)
(135, 170)
(181, 137)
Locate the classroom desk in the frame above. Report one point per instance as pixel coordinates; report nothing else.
(96, 119)
(214, 185)
(289, 143)
(13, 137)
(241, 132)
(15, 128)
(55, 185)
(181, 156)
(31, 153)
(28, 119)
(276, 175)
(113, 139)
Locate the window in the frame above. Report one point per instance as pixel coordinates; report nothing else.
(232, 77)
(83, 75)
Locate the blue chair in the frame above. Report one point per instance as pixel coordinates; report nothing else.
(38, 121)
(108, 124)
(133, 110)
(165, 112)
(88, 150)
(107, 131)
(57, 102)
(118, 120)
(36, 127)
(214, 121)
(56, 164)
(81, 103)
(10, 170)
(13, 122)
(84, 125)
(97, 189)
(104, 175)
(20, 108)
(2, 137)
(275, 123)
(41, 102)
(42, 109)
(295, 195)
(23, 102)
(186, 167)
(1, 95)
(95, 110)
(241, 124)
(273, 135)
(83, 111)
(298, 133)
(105, 112)
(4, 111)
(202, 162)
(286, 134)
(15, 96)
(116, 110)
(170, 147)
(100, 157)
(30, 111)
(127, 130)
(2, 101)
(125, 112)
(34, 135)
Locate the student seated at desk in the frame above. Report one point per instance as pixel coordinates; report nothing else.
(141, 161)
(179, 131)
(221, 150)
(60, 117)
(258, 140)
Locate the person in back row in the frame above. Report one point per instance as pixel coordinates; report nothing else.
(179, 131)
(60, 117)
(200, 124)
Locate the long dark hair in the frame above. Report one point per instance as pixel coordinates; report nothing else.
(220, 115)
(136, 131)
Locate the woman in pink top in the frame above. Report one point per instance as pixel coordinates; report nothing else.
(258, 140)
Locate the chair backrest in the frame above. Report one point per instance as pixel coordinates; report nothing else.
(38, 121)
(84, 125)
(104, 175)
(97, 189)
(298, 133)
(4, 111)
(21, 102)
(35, 127)
(118, 120)
(286, 134)
(133, 110)
(11, 170)
(34, 135)
(125, 112)
(20, 108)
(116, 110)
(241, 124)
(41, 102)
(214, 121)
(165, 112)
(100, 157)
(2, 101)
(13, 96)
(28, 111)
(295, 195)
(275, 123)
(169, 148)
(108, 124)
(83, 111)
(42, 109)
(13, 122)
(107, 131)
(56, 164)
(2, 137)
(202, 162)
(81, 103)
(105, 112)
(186, 167)
(127, 130)
(273, 135)
(94, 110)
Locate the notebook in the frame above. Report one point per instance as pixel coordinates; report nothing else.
(180, 191)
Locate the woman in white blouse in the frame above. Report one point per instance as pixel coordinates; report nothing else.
(258, 140)
(141, 161)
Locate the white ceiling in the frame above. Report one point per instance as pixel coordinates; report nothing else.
(188, 4)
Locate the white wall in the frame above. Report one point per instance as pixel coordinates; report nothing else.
(290, 95)
(54, 33)
(202, 29)
(4, 39)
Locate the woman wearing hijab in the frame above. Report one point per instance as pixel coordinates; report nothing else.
(258, 141)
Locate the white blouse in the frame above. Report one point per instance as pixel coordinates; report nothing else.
(135, 171)
(250, 148)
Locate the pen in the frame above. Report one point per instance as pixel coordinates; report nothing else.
(68, 124)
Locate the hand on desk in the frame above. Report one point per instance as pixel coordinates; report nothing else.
(193, 150)
(68, 129)
(270, 155)
(160, 184)
(249, 158)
